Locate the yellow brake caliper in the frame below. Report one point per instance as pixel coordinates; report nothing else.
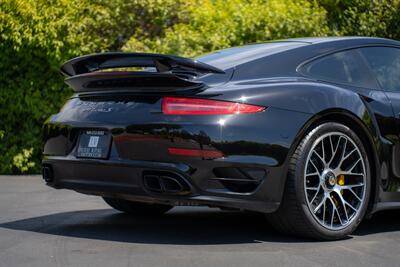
(341, 182)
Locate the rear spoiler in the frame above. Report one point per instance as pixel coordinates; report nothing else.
(84, 73)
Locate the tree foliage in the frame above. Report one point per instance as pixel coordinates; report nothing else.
(363, 17)
(36, 36)
(207, 25)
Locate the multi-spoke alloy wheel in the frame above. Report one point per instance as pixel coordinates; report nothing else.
(335, 180)
(328, 185)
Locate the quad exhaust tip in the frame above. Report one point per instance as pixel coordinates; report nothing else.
(165, 183)
(47, 173)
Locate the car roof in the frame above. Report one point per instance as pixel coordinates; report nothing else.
(235, 56)
(360, 39)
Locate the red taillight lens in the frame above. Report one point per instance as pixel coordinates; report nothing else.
(196, 106)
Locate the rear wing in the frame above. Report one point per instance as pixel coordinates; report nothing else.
(172, 73)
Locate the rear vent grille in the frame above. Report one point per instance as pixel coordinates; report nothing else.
(165, 183)
(239, 180)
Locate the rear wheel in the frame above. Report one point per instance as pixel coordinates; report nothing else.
(328, 185)
(137, 208)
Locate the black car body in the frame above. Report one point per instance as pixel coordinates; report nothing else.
(232, 159)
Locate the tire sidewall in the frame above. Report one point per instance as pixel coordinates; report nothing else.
(305, 148)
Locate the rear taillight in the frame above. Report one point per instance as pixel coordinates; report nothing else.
(197, 106)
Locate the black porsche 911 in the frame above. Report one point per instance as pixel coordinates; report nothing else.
(304, 130)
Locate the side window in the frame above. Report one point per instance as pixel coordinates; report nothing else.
(385, 64)
(345, 67)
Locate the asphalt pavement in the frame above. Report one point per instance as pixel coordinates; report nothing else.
(41, 226)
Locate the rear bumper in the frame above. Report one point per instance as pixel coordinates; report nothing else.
(125, 179)
(251, 174)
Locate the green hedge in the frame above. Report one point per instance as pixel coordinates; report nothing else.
(214, 24)
(36, 36)
(364, 17)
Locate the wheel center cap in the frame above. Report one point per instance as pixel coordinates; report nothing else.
(330, 179)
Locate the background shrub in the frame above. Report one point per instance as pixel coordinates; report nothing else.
(364, 17)
(208, 25)
(36, 36)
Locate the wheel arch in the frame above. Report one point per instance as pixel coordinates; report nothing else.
(366, 135)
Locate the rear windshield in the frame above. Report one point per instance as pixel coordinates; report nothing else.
(230, 57)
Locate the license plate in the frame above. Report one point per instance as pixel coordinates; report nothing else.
(94, 144)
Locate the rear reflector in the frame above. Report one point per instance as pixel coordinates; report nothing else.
(197, 106)
(195, 153)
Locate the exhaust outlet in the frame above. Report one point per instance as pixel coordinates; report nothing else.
(47, 173)
(165, 183)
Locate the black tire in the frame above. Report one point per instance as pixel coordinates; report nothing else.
(294, 215)
(137, 208)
